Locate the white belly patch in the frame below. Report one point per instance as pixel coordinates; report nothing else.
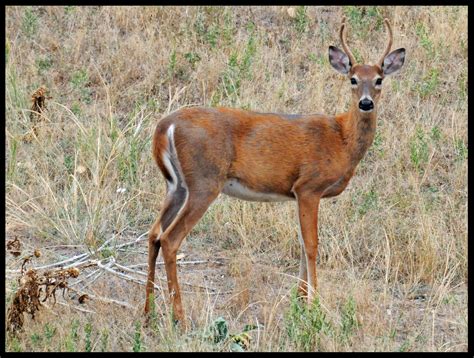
(234, 188)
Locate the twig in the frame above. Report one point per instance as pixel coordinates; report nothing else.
(137, 240)
(93, 279)
(76, 308)
(79, 259)
(126, 277)
(197, 262)
(84, 278)
(104, 299)
(125, 268)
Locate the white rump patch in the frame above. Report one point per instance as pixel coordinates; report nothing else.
(234, 188)
(167, 160)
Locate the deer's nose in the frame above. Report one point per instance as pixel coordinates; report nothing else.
(366, 104)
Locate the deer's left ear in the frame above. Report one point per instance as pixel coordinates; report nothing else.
(393, 61)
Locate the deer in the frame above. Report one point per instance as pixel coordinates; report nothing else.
(267, 157)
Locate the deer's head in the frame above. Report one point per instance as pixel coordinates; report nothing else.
(366, 80)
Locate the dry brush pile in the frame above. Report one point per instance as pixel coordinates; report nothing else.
(85, 87)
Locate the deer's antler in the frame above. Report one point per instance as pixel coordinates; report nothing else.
(343, 42)
(390, 39)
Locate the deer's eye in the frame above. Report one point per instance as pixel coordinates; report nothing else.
(378, 82)
(353, 81)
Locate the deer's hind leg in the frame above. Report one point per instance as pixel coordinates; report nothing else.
(171, 239)
(174, 202)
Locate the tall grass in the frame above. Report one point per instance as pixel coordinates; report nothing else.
(398, 229)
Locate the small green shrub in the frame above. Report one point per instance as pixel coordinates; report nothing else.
(301, 20)
(137, 338)
(305, 324)
(349, 322)
(88, 337)
(419, 149)
(29, 23)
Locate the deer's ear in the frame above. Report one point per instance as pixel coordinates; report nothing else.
(339, 60)
(393, 61)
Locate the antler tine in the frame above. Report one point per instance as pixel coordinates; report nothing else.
(390, 39)
(343, 42)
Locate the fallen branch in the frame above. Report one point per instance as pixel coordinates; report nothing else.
(82, 258)
(197, 262)
(76, 308)
(125, 268)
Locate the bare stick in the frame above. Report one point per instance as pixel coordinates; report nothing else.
(79, 259)
(197, 262)
(76, 308)
(104, 299)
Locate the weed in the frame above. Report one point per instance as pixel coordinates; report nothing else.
(137, 339)
(73, 336)
(349, 320)
(369, 202)
(228, 29)
(212, 35)
(425, 40)
(69, 10)
(129, 159)
(69, 163)
(357, 55)
(238, 69)
(218, 331)
(172, 64)
(460, 149)
(301, 20)
(43, 64)
(12, 161)
(29, 24)
(36, 339)
(462, 83)
(7, 51)
(435, 133)
(15, 345)
(320, 60)
(429, 83)
(418, 149)
(79, 82)
(199, 25)
(104, 340)
(305, 324)
(404, 346)
(249, 53)
(192, 58)
(377, 144)
(361, 18)
(76, 108)
(88, 341)
(153, 316)
(49, 332)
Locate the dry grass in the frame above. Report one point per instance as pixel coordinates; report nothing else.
(393, 246)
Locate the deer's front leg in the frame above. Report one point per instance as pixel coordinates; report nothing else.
(308, 205)
(303, 274)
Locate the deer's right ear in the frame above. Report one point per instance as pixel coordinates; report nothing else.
(339, 60)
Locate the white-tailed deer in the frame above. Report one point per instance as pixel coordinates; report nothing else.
(263, 157)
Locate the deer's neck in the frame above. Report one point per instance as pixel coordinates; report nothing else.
(359, 133)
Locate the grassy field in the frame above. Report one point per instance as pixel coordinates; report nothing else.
(392, 263)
